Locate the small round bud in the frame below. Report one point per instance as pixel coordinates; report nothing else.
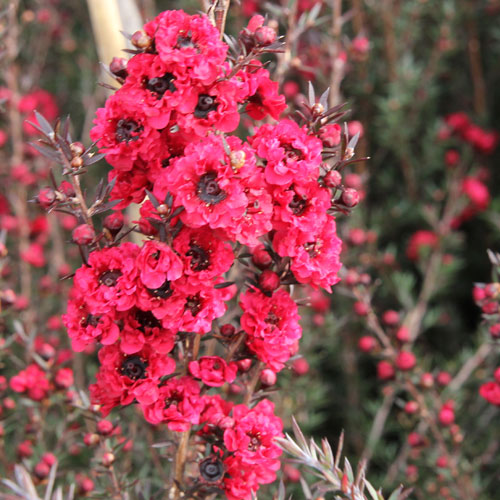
(49, 458)
(411, 407)
(415, 439)
(442, 462)
(367, 343)
(163, 209)
(446, 416)
(318, 108)
(77, 162)
(403, 334)
(361, 308)
(405, 361)
(118, 67)
(46, 197)
(385, 371)
(443, 379)
(237, 159)
(77, 148)
(83, 234)
(41, 470)
(333, 179)
(261, 258)
(390, 318)
(244, 364)
(269, 280)
(108, 459)
(265, 35)
(227, 330)
(268, 377)
(90, 439)
(67, 189)
(350, 197)
(427, 380)
(141, 40)
(114, 222)
(105, 427)
(300, 366)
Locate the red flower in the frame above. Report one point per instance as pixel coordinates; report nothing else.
(158, 263)
(290, 154)
(108, 282)
(32, 381)
(213, 370)
(272, 325)
(491, 392)
(204, 253)
(122, 379)
(178, 404)
(315, 256)
(420, 241)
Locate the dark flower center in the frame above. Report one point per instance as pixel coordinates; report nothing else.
(292, 153)
(206, 103)
(211, 469)
(127, 130)
(254, 443)
(134, 368)
(199, 258)
(193, 304)
(159, 85)
(91, 320)
(298, 205)
(147, 320)
(208, 189)
(272, 319)
(312, 249)
(163, 292)
(184, 42)
(109, 278)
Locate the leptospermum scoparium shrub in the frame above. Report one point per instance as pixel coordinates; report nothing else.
(228, 231)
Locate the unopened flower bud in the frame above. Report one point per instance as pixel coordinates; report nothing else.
(333, 179)
(269, 280)
(108, 459)
(83, 234)
(300, 366)
(367, 343)
(268, 377)
(141, 40)
(77, 148)
(105, 427)
(350, 197)
(227, 330)
(114, 223)
(261, 258)
(41, 470)
(118, 67)
(405, 360)
(46, 197)
(244, 364)
(237, 159)
(265, 35)
(90, 439)
(77, 162)
(318, 108)
(411, 407)
(427, 380)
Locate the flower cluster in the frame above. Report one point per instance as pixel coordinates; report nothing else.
(209, 201)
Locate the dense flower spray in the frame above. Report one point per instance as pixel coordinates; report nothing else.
(232, 227)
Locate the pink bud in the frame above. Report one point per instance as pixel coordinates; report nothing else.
(83, 234)
(350, 197)
(268, 377)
